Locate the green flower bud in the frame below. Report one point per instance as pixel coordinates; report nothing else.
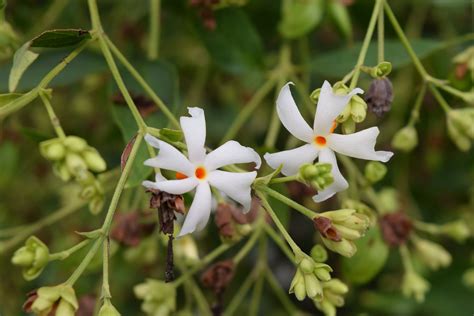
(61, 170)
(322, 271)
(93, 160)
(349, 126)
(336, 286)
(108, 309)
(319, 254)
(317, 175)
(345, 247)
(326, 307)
(465, 57)
(333, 292)
(413, 285)
(75, 143)
(306, 265)
(345, 114)
(52, 149)
(375, 171)
(62, 296)
(314, 96)
(468, 278)
(86, 179)
(458, 230)
(361, 208)
(32, 257)
(358, 109)
(460, 125)
(383, 69)
(348, 233)
(159, 298)
(300, 291)
(75, 164)
(433, 255)
(313, 287)
(388, 198)
(405, 139)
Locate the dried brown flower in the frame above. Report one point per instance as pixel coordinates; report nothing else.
(218, 276)
(129, 228)
(396, 228)
(166, 204)
(380, 96)
(326, 229)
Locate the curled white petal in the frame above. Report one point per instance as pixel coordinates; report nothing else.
(291, 117)
(359, 145)
(168, 157)
(194, 129)
(175, 186)
(292, 159)
(339, 184)
(150, 184)
(236, 185)
(329, 107)
(199, 211)
(229, 153)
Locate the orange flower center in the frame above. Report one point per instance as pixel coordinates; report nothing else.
(320, 140)
(180, 176)
(200, 173)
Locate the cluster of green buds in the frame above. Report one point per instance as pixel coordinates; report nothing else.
(309, 277)
(405, 139)
(431, 254)
(375, 171)
(354, 112)
(316, 175)
(414, 285)
(340, 228)
(74, 159)
(159, 298)
(333, 297)
(107, 309)
(361, 208)
(32, 257)
(52, 300)
(460, 124)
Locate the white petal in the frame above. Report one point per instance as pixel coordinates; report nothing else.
(329, 107)
(359, 145)
(231, 153)
(199, 211)
(236, 185)
(292, 159)
(339, 184)
(150, 184)
(168, 157)
(291, 117)
(175, 186)
(194, 129)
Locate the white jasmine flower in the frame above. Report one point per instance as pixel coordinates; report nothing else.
(321, 141)
(200, 170)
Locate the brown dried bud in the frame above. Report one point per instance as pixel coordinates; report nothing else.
(218, 276)
(396, 228)
(30, 299)
(228, 215)
(166, 204)
(299, 191)
(461, 70)
(380, 96)
(144, 105)
(325, 228)
(129, 228)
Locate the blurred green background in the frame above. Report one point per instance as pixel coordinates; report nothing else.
(219, 70)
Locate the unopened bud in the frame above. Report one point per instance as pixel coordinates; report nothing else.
(432, 254)
(313, 287)
(375, 171)
(405, 139)
(96, 204)
(306, 265)
(75, 143)
(108, 309)
(52, 149)
(358, 109)
(93, 160)
(383, 69)
(349, 126)
(458, 230)
(314, 96)
(75, 163)
(414, 285)
(318, 253)
(345, 114)
(32, 257)
(380, 96)
(345, 247)
(62, 171)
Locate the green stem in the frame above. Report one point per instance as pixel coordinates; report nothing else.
(427, 227)
(199, 298)
(415, 113)
(154, 33)
(110, 212)
(294, 205)
(203, 262)
(249, 109)
(280, 242)
(261, 267)
(365, 43)
(66, 253)
(238, 297)
(381, 35)
(442, 102)
(453, 91)
(105, 269)
(28, 97)
(411, 52)
(405, 255)
(284, 179)
(244, 251)
(283, 298)
(52, 116)
(156, 99)
(296, 249)
(45, 221)
(96, 25)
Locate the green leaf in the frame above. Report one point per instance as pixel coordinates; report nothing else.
(171, 135)
(370, 258)
(235, 44)
(60, 38)
(22, 59)
(8, 97)
(338, 63)
(300, 17)
(340, 14)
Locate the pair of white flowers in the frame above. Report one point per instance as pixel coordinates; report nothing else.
(200, 170)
